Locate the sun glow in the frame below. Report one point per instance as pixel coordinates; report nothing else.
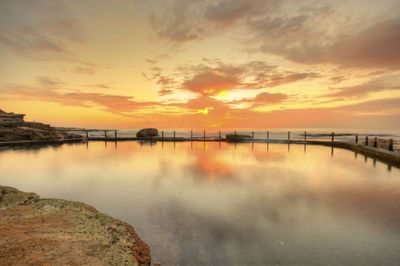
(204, 111)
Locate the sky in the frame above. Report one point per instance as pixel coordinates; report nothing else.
(210, 64)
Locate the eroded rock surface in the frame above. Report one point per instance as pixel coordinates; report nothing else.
(36, 231)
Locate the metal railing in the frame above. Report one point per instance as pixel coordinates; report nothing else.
(382, 141)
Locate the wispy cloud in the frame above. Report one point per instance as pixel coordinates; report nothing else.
(361, 90)
(49, 32)
(265, 98)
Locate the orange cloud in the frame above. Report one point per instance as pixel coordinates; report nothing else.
(211, 82)
(216, 77)
(111, 103)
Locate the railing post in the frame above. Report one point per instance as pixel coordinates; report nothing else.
(305, 135)
(174, 134)
(115, 134)
(356, 139)
(219, 134)
(87, 134)
(191, 134)
(390, 145)
(267, 135)
(288, 135)
(105, 133)
(366, 140)
(333, 136)
(204, 134)
(235, 134)
(252, 135)
(162, 135)
(375, 142)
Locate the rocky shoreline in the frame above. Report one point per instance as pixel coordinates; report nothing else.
(13, 128)
(35, 231)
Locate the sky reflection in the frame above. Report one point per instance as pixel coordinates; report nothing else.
(220, 203)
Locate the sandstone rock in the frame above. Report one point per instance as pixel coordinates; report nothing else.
(14, 128)
(147, 132)
(36, 231)
(11, 197)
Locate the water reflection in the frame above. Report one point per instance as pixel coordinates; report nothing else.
(228, 203)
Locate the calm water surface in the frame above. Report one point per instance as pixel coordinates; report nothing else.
(224, 204)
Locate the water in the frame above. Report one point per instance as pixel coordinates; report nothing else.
(224, 204)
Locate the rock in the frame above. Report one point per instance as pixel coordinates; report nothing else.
(147, 132)
(237, 136)
(10, 197)
(14, 128)
(36, 231)
(11, 117)
(27, 133)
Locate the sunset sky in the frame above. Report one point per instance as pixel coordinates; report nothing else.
(202, 64)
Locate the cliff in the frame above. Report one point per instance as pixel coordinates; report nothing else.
(13, 127)
(36, 231)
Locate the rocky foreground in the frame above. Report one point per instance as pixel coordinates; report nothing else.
(36, 231)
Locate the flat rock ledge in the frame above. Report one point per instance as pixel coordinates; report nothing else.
(36, 231)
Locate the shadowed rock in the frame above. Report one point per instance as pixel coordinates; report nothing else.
(147, 132)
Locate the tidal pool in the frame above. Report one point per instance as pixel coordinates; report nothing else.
(223, 204)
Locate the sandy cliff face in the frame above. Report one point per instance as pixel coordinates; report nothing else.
(36, 231)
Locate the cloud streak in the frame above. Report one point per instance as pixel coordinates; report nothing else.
(49, 32)
(364, 89)
(52, 92)
(220, 114)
